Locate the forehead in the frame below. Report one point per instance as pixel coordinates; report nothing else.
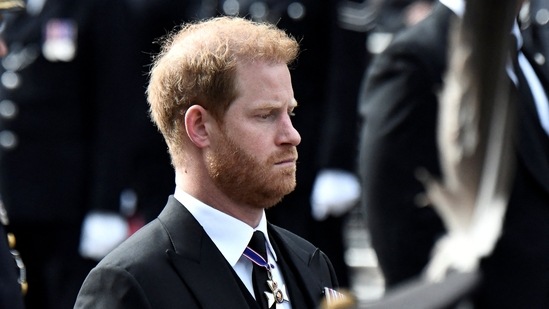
(264, 82)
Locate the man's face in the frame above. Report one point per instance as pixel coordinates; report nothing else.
(253, 158)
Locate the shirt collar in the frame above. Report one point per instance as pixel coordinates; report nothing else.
(230, 235)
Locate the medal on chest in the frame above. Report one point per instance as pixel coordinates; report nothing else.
(277, 294)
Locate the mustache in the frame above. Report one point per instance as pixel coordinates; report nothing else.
(284, 155)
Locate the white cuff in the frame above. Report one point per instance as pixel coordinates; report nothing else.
(335, 192)
(102, 232)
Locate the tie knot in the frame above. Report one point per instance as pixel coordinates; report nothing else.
(257, 243)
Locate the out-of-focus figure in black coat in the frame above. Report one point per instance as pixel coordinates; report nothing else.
(399, 107)
(64, 120)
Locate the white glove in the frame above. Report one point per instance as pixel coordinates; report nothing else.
(335, 192)
(102, 232)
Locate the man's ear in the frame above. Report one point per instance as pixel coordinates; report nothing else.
(197, 125)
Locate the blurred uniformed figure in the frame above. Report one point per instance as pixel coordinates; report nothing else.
(12, 271)
(65, 120)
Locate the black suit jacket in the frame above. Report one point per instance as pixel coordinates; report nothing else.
(172, 263)
(399, 105)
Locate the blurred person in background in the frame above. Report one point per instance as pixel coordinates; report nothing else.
(399, 107)
(66, 116)
(335, 191)
(11, 293)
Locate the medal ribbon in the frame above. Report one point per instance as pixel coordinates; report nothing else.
(257, 259)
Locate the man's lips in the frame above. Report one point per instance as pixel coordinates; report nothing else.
(286, 157)
(291, 160)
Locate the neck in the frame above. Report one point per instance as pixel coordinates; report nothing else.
(202, 188)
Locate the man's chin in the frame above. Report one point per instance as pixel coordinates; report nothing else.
(283, 192)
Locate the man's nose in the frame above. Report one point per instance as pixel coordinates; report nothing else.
(289, 134)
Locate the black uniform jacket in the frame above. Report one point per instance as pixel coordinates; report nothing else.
(172, 263)
(72, 113)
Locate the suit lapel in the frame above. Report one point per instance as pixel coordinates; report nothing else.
(198, 262)
(298, 262)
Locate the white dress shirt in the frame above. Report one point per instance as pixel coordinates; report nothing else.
(231, 236)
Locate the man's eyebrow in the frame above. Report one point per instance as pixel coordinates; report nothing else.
(272, 105)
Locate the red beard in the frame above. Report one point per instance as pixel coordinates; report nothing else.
(245, 180)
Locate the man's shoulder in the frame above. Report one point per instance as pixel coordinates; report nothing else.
(141, 248)
(139, 273)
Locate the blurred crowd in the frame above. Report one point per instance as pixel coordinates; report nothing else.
(82, 167)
